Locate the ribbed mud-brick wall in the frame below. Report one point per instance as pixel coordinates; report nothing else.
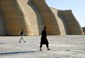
(2, 25)
(60, 21)
(48, 17)
(14, 18)
(73, 25)
(33, 15)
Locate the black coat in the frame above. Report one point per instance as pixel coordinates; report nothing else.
(43, 38)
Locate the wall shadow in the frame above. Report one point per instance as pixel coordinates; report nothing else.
(73, 25)
(16, 22)
(60, 16)
(2, 24)
(40, 28)
(8, 53)
(46, 12)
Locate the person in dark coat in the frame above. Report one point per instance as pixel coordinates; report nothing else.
(44, 39)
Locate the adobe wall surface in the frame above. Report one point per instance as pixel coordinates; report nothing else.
(73, 25)
(48, 17)
(33, 15)
(14, 17)
(2, 24)
(60, 21)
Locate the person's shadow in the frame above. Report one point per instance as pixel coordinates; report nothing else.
(8, 53)
(1, 43)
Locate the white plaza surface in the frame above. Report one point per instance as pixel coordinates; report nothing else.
(70, 46)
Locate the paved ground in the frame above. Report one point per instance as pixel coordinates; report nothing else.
(61, 47)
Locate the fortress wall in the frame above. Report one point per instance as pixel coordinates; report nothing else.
(60, 21)
(2, 24)
(14, 17)
(48, 17)
(73, 25)
(34, 16)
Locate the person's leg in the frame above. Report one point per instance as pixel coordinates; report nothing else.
(23, 39)
(40, 47)
(47, 47)
(20, 39)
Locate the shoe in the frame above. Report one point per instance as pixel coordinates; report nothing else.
(40, 50)
(19, 42)
(48, 49)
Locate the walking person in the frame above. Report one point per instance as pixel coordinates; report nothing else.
(21, 34)
(44, 39)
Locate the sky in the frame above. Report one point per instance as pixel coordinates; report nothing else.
(77, 7)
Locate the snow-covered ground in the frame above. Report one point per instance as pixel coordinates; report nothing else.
(71, 46)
